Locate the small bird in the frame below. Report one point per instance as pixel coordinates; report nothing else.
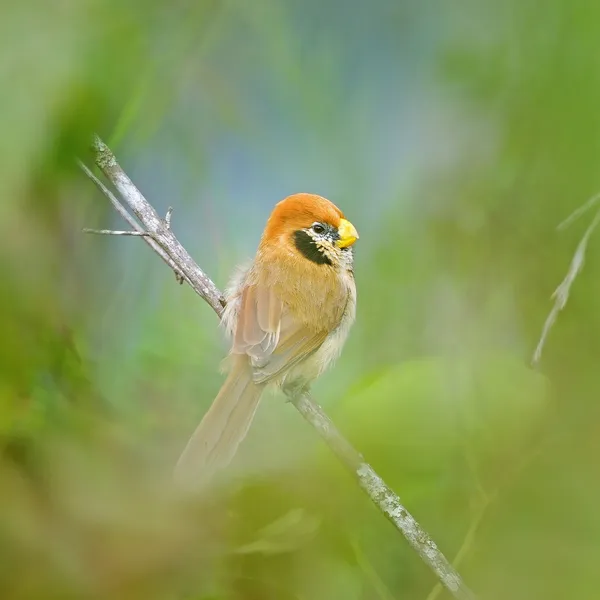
(288, 315)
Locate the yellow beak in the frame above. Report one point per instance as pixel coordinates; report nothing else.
(348, 234)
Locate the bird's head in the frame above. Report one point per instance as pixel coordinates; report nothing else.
(313, 227)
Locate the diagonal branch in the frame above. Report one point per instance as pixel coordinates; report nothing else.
(561, 294)
(114, 232)
(132, 221)
(159, 228)
(381, 495)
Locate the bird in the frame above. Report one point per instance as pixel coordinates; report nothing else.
(288, 314)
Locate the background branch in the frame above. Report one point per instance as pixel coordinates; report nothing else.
(561, 294)
(162, 240)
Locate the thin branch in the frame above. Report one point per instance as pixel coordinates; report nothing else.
(162, 233)
(377, 490)
(561, 294)
(382, 496)
(113, 200)
(580, 211)
(114, 232)
(132, 221)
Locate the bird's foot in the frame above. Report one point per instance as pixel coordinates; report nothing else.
(294, 389)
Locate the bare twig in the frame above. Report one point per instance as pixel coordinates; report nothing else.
(561, 294)
(382, 496)
(132, 221)
(114, 232)
(113, 199)
(377, 490)
(162, 234)
(580, 211)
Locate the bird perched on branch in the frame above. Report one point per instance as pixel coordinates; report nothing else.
(288, 315)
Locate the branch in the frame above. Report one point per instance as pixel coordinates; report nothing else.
(113, 232)
(386, 500)
(131, 220)
(561, 294)
(381, 495)
(579, 212)
(159, 228)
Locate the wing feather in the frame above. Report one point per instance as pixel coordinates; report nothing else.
(270, 335)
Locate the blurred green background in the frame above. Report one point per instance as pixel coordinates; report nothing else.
(455, 136)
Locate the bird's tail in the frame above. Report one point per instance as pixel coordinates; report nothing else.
(217, 437)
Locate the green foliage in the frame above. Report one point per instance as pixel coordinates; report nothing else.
(422, 416)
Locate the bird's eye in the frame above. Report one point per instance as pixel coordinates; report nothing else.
(318, 228)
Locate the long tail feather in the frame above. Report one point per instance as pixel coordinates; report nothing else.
(217, 437)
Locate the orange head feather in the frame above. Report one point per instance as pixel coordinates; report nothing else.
(299, 211)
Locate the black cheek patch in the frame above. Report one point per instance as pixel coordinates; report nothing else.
(307, 247)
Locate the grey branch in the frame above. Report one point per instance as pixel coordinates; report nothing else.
(115, 232)
(168, 217)
(380, 494)
(162, 241)
(131, 220)
(561, 294)
(386, 500)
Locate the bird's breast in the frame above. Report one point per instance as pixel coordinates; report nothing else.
(333, 344)
(316, 295)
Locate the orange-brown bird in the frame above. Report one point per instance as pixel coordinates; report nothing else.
(288, 314)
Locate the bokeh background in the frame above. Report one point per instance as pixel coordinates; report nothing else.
(456, 136)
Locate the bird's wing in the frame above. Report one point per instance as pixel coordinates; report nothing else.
(270, 335)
